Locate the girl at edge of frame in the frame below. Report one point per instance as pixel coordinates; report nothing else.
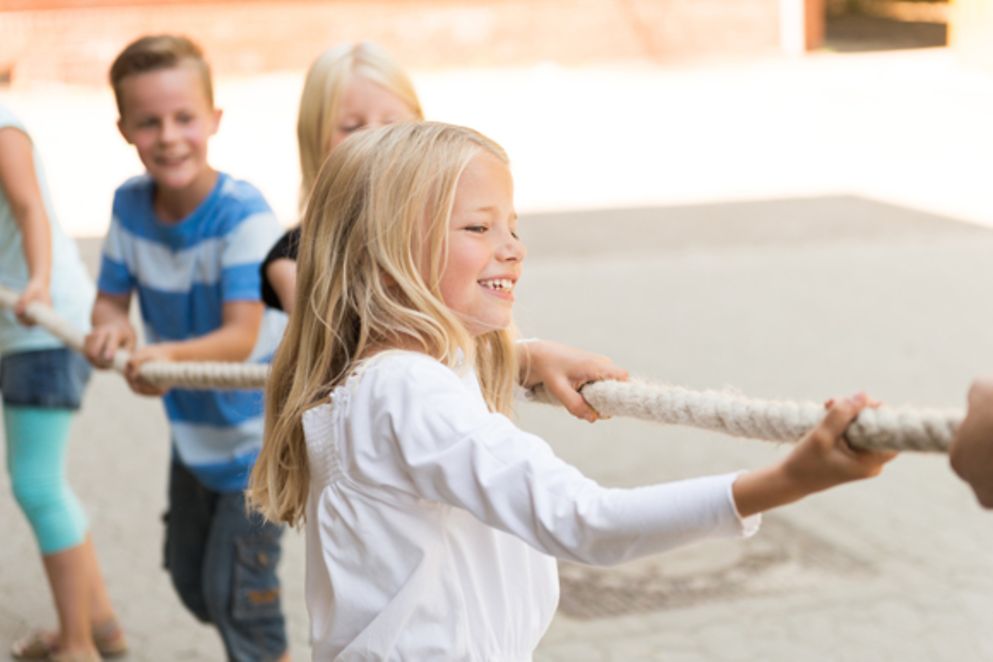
(42, 384)
(432, 522)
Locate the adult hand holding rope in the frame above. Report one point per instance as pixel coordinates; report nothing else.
(972, 449)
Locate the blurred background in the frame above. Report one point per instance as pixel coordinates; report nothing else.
(787, 197)
(695, 99)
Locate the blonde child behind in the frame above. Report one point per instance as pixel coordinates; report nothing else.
(359, 86)
(347, 88)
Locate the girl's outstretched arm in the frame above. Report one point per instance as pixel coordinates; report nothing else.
(20, 186)
(821, 460)
(563, 370)
(417, 428)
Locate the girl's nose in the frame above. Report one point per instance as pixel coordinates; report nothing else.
(512, 249)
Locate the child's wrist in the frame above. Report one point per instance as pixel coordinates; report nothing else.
(40, 281)
(763, 489)
(525, 357)
(167, 351)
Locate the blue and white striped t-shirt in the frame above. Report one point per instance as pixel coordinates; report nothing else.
(184, 273)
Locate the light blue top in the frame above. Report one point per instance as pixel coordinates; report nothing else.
(71, 287)
(184, 273)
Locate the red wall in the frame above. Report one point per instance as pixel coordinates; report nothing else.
(75, 40)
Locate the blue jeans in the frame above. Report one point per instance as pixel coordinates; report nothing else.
(52, 378)
(222, 561)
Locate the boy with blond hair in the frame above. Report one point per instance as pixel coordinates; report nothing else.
(189, 239)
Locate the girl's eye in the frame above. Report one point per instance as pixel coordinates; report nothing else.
(184, 119)
(478, 229)
(350, 128)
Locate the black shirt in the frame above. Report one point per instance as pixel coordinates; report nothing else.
(285, 249)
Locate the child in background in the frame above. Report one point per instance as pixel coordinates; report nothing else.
(360, 86)
(189, 241)
(347, 88)
(42, 383)
(432, 522)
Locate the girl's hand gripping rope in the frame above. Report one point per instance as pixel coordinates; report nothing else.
(822, 459)
(563, 371)
(36, 291)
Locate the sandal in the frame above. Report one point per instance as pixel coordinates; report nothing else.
(108, 637)
(73, 657)
(36, 645)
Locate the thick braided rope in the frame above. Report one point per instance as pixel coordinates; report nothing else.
(730, 413)
(215, 374)
(773, 420)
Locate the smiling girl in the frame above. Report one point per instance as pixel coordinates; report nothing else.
(433, 522)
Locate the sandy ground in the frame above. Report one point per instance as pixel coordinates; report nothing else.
(793, 229)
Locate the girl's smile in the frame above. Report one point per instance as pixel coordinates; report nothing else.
(500, 287)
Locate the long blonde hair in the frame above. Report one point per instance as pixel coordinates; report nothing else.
(372, 253)
(320, 101)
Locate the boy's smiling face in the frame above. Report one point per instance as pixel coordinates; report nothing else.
(168, 117)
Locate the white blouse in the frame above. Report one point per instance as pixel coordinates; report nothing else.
(433, 525)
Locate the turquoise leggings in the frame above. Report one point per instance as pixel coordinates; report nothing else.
(36, 460)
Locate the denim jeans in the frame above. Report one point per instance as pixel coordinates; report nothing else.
(222, 561)
(52, 378)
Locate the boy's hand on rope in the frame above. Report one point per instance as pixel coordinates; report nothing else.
(105, 340)
(36, 291)
(563, 371)
(156, 352)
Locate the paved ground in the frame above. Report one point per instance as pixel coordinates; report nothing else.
(786, 228)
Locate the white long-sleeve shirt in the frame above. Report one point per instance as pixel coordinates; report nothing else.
(433, 525)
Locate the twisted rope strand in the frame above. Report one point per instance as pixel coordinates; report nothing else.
(185, 374)
(886, 428)
(730, 413)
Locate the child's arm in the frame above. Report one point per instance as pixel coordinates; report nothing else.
(279, 271)
(233, 340)
(20, 187)
(446, 448)
(821, 460)
(563, 370)
(111, 330)
(971, 452)
(282, 276)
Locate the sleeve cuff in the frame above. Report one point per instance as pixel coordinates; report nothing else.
(747, 526)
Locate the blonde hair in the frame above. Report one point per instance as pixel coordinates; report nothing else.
(320, 101)
(372, 253)
(154, 52)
